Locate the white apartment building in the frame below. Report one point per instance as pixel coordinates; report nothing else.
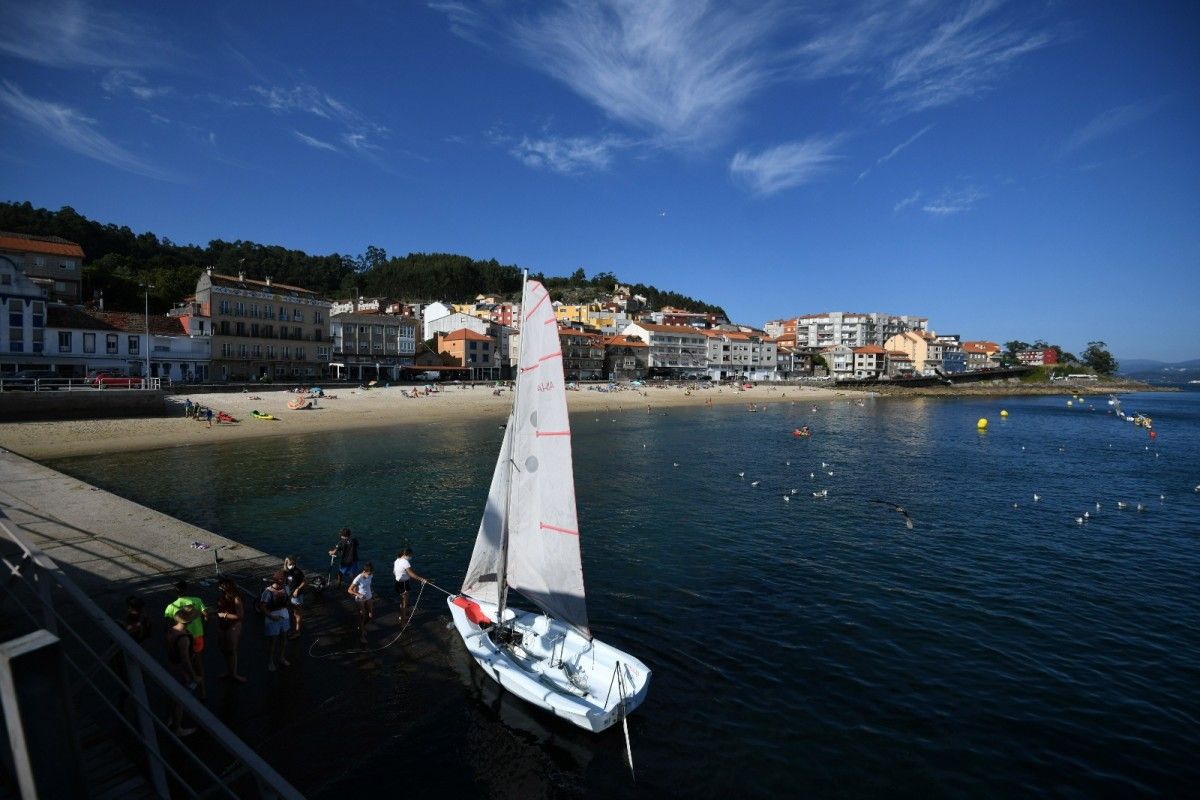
(736, 354)
(853, 329)
(372, 345)
(674, 349)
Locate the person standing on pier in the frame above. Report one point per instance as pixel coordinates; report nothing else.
(230, 613)
(180, 663)
(346, 550)
(360, 590)
(274, 605)
(404, 574)
(195, 629)
(294, 585)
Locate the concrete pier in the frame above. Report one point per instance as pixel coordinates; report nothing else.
(341, 711)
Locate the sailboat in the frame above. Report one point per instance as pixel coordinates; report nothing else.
(528, 543)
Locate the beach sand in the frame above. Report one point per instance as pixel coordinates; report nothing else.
(352, 408)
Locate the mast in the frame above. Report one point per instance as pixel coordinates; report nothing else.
(502, 573)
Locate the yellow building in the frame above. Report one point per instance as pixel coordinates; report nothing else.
(914, 345)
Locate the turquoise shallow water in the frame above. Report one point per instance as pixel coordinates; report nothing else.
(814, 646)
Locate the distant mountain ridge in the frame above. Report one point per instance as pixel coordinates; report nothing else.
(1153, 371)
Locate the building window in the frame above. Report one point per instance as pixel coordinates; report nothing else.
(317, 335)
(318, 317)
(223, 306)
(133, 345)
(239, 328)
(254, 329)
(270, 351)
(110, 344)
(241, 351)
(226, 350)
(39, 261)
(473, 347)
(283, 312)
(224, 327)
(269, 312)
(64, 341)
(300, 353)
(257, 350)
(254, 310)
(68, 263)
(297, 315)
(287, 351)
(89, 343)
(6, 279)
(239, 309)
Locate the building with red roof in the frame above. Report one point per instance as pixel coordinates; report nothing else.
(53, 263)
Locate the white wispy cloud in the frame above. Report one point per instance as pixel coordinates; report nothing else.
(953, 201)
(127, 80)
(785, 165)
(357, 131)
(1107, 123)
(314, 142)
(906, 202)
(676, 69)
(683, 71)
(73, 130)
(894, 151)
(68, 33)
(568, 155)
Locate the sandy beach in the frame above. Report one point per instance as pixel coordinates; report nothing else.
(351, 408)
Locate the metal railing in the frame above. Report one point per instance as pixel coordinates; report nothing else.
(11, 384)
(91, 659)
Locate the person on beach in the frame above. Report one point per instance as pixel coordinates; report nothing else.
(179, 662)
(195, 628)
(404, 574)
(274, 605)
(347, 552)
(187, 407)
(360, 590)
(208, 415)
(294, 585)
(230, 613)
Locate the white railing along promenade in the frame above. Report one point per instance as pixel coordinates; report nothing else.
(11, 384)
(33, 582)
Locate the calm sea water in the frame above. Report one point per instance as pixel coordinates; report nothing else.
(814, 646)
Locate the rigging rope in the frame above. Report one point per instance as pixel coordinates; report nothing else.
(382, 647)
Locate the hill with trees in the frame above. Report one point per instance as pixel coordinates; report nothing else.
(118, 259)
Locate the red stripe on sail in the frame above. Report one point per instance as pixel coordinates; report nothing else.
(536, 307)
(557, 529)
(553, 433)
(549, 356)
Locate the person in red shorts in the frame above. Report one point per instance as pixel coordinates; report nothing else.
(195, 629)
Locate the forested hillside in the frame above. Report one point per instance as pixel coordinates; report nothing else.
(117, 260)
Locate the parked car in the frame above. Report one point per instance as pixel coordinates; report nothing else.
(117, 382)
(98, 373)
(27, 379)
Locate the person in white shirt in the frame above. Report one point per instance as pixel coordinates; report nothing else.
(404, 574)
(360, 590)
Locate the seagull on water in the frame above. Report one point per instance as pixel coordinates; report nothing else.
(1122, 506)
(675, 464)
(793, 491)
(1079, 520)
(741, 474)
(787, 498)
(1086, 515)
(1141, 507)
(754, 483)
(822, 493)
(1036, 497)
(908, 522)
(830, 473)
(1097, 506)
(813, 475)
(824, 465)
(1015, 505)
(1162, 497)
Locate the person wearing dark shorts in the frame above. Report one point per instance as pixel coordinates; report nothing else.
(346, 554)
(404, 574)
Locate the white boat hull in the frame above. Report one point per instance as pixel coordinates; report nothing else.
(553, 667)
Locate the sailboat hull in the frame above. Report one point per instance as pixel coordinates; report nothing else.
(551, 666)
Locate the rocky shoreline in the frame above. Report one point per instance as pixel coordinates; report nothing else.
(1011, 388)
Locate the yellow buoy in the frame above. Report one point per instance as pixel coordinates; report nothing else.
(1003, 413)
(981, 424)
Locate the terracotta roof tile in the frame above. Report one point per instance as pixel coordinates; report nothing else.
(466, 334)
(51, 245)
(233, 280)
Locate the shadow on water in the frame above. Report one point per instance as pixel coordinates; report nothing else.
(799, 646)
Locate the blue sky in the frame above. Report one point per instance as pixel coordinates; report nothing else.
(1010, 170)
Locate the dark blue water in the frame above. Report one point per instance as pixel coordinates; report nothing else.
(815, 646)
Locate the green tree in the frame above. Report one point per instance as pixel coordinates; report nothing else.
(1012, 348)
(1098, 358)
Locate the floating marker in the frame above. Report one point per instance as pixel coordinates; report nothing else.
(1003, 413)
(981, 424)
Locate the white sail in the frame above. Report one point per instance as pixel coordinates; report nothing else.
(482, 581)
(543, 534)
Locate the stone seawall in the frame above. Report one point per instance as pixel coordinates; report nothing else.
(83, 404)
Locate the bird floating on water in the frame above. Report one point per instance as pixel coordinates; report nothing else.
(824, 465)
(741, 474)
(908, 522)
(1079, 520)
(754, 483)
(822, 493)
(1086, 515)
(675, 464)
(1097, 506)
(814, 475)
(1141, 507)
(1121, 505)
(787, 498)
(1015, 505)
(1036, 497)
(793, 491)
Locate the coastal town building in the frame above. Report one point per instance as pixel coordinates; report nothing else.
(432, 311)
(675, 350)
(848, 328)
(981, 355)
(582, 354)
(734, 354)
(870, 361)
(792, 362)
(917, 346)
(900, 364)
(626, 358)
(83, 341)
(1038, 357)
(839, 358)
(262, 330)
(50, 262)
(370, 345)
(682, 317)
(23, 325)
(470, 349)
